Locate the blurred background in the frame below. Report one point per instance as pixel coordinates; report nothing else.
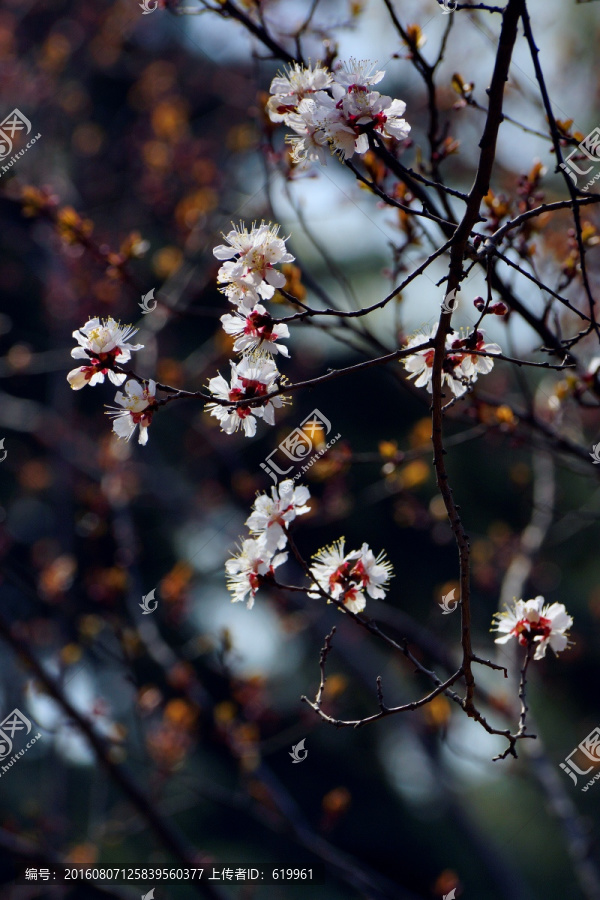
(153, 140)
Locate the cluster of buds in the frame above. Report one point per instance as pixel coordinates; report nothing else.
(497, 309)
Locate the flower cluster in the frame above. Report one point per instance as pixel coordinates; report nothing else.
(334, 110)
(251, 378)
(249, 276)
(102, 344)
(347, 577)
(532, 623)
(105, 345)
(344, 577)
(252, 274)
(268, 524)
(461, 365)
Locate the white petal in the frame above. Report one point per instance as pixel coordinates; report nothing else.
(124, 426)
(503, 639)
(249, 426)
(275, 278)
(116, 377)
(224, 252)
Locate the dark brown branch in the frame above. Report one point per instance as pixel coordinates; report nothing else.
(168, 835)
(471, 216)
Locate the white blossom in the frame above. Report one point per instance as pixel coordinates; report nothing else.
(420, 365)
(138, 404)
(246, 570)
(357, 73)
(101, 344)
(252, 377)
(533, 623)
(253, 273)
(460, 369)
(256, 331)
(290, 89)
(310, 123)
(338, 113)
(472, 364)
(347, 577)
(240, 286)
(361, 108)
(272, 514)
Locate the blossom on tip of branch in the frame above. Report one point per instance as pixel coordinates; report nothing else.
(472, 364)
(361, 108)
(253, 273)
(256, 331)
(138, 404)
(420, 365)
(272, 514)
(310, 122)
(356, 73)
(460, 368)
(251, 378)
(240, 287)
(346, 577)
(101, 344)
(246, 571)
(337, 113)
(533, 623)
(289, 89)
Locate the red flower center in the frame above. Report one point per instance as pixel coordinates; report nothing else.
(350, 578)
(380, 119)
(254, 580)
(251, 390)
(527, 631)
(100, 363)
(259, 326)
(142, 418)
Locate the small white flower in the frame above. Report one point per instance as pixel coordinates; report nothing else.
(364, 110)
(247, 569)
(420, 365)
(310, 122)
(288, 90)
(138, 404)
(240, 285)
(253, 377)
(256, 331)
(101, 344)
(253, 274)
(373, 572)
(346, 577)
(533, 623)
(394, 125)
(338, 111)
(472, 364)
(460, 368)
(357, 73)
(271, 515)
(344, 138)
